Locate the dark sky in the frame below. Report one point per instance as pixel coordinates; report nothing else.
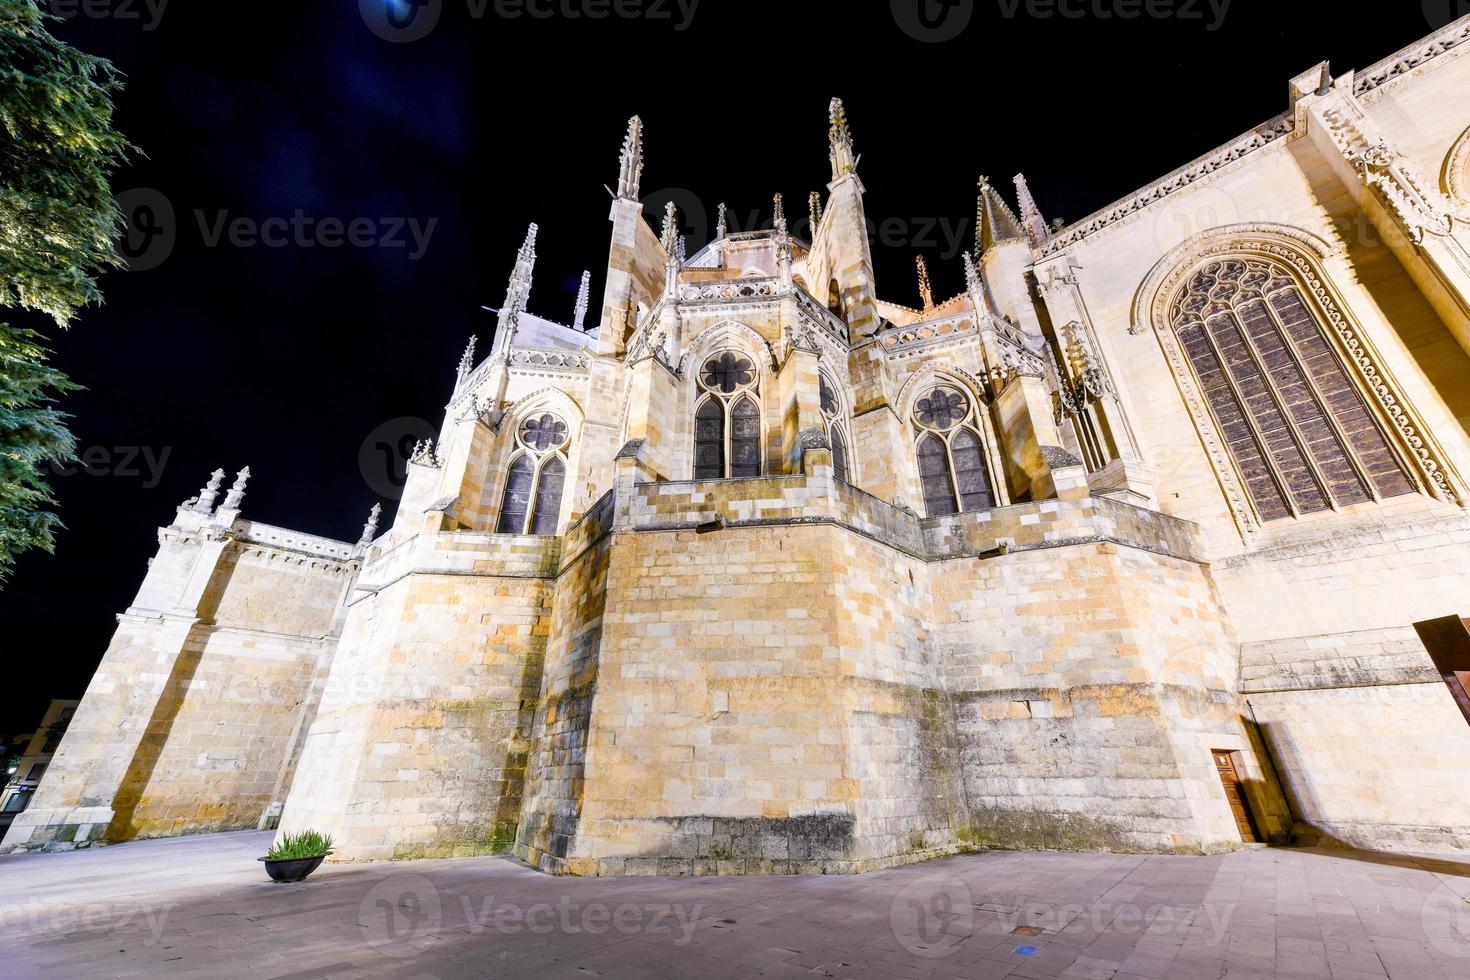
(287, 357)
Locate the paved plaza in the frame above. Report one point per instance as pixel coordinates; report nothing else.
(202, 907)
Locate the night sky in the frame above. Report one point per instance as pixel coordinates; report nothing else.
(309, 362)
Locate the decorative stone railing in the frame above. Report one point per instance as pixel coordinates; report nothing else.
(268, 535)
(897, 339)
(539, 357)
(827, 321)
(1400, 63)
(730, 291)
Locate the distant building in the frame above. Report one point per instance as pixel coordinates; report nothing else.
(39, 747)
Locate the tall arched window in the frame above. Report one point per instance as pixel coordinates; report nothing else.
(727, 421)
(952, 468)
(1293, 421)
(537, 474)
(836, 426)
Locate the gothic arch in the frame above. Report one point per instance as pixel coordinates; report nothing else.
(509, 452)
(1302, 255)
(934, 373)
(548, 398)
(925, 379)
(1158, 286)
(1456, 176)
(728, 334)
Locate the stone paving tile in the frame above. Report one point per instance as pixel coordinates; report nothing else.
(201, 907)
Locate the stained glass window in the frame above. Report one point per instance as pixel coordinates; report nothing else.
(1296, 426)
(727, 423)
(953, 473)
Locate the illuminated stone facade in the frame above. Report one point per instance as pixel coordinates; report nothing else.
(763, 573)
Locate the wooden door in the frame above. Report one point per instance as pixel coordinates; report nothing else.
(1240, 807)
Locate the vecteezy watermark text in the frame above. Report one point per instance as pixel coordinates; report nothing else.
(305, 231)
(412, 20)
(149, 13)
(128, 462)
(1210, 12)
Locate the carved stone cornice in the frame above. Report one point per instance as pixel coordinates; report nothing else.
(1453, 37)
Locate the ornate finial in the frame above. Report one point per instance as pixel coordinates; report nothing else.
(839, 139)
(466, 360)
(1031, 218)
(518, 291)
(370, 529)
(972, 274)
(670, 237)
(425, 453)
(579, 312)
(236, 496)
(720, 223)
(630, 163)
(778, 215)
(204, 503)
(814, 207)
(681, 249)
(926, 291)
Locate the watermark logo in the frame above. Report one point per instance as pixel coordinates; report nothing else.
(1446, 919)
(129, 462)
(401, 21)
(383, 457)
(400, 916)
(932, 21)
(149, 13)
(932, 916)
(1210, 13)
(151, 228)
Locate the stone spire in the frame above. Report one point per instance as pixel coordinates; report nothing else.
(979, 289)
(839, 139)
(1031, 219)
(783, 237)
(630, 163)
(236, 496)
(669, 238)
(204, 503)
(926, 290)
(517, 292)
(994, 220)
(579, 312)
(466, 362)
(778, 215)
(370, 529)
(720, 222)
(814, 208)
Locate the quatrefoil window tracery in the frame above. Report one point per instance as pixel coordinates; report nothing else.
(543, 432)
(727, 373)
(942, 408)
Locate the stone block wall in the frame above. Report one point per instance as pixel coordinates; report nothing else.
(190, 723)
(419, 746)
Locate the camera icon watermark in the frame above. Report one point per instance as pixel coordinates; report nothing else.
(150, 228)
(401, 916)
(932, 21)
(383, 457)
(931, 917)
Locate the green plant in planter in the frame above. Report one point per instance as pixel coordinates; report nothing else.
(307, 844)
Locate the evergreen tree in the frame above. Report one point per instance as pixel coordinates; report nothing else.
(58, 225)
